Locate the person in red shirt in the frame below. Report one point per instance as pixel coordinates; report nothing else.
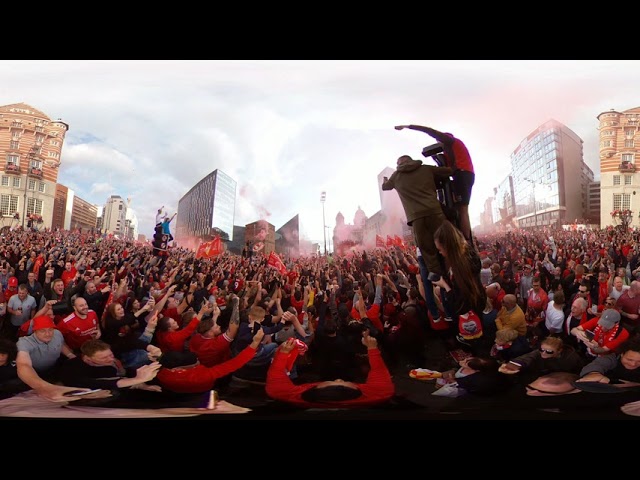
(169, 336)
(69, 274)
(182, 373)
(209, 343)
(608, 334)
(80, 326)
(12, 288)
(377, 389)
(459, 160)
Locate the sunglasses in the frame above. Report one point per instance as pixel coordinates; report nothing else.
(544, 350)
(582, 291)
(529, 387)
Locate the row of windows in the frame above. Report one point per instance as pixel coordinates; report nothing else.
(9, 205)
(16, 181)
(627, 179)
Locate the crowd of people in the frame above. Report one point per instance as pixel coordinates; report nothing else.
(84, 312)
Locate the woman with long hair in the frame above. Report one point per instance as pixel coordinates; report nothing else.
(460, 288)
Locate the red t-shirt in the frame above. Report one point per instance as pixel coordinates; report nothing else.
(378, 388)
(611, 339)
(76, 330)
(200, 378)
(68, 275)
(174, 341)
(211, 351)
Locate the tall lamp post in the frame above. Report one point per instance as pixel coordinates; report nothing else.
(323, 197)
(535, 210)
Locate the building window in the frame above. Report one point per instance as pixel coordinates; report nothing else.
(14, 145)
(606, 143)
(609, 132)
(32, 184)
(617, 201)
(5, 181)
(627, 157)
(8, 204)
(41, 187)
(15, 159)
(54, 143)
(627, 179)
(34, 205)
(616, 179)
(16, 182)
(628, 132)
(629, 143)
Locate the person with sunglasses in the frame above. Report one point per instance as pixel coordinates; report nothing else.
(552, 356)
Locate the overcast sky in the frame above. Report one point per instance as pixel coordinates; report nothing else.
(288, 130)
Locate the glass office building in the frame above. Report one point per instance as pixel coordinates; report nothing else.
(550, 177)
(207, 210)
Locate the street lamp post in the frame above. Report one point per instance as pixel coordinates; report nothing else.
(323, 197)
(535, 210)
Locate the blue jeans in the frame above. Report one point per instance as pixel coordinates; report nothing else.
(264, 355)
(134, 358)
(428, 289)
(138, 357)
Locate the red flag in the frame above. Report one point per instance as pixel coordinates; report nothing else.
(210, 249)
(398, 241)
(389, 241)
(379, 241)
(202, 249)
(275, 262)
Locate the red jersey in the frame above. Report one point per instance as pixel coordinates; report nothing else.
(211, 351)
(68, 275)
(76, 330)
(378, 388)
(611, 339)
(174, 341)
(200, 378)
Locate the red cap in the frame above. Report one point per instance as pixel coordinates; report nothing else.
(13, 281)
(43, 321)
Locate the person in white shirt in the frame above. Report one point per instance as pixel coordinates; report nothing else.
(554, 318)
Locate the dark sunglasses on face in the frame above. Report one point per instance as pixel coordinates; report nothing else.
(544, 350)
(582, 291)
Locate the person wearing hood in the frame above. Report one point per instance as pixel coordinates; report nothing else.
(416, 187)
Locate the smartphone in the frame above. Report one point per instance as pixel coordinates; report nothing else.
(513, 366)
(77, 393)
(589, 334)
(256, 327)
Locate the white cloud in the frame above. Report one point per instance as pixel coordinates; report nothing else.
(287, 130)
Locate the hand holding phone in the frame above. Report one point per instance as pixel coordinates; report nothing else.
(76, 393)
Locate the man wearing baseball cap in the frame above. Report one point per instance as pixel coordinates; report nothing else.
(38, 355)
(608, 334)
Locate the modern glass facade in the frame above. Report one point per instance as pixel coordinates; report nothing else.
(549, 177)
(206, 210)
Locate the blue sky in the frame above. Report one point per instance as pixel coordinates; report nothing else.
(288, 130)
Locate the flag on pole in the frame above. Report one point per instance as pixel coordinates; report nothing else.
(379, 241)
(398, 242)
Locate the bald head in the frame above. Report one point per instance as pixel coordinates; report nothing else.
(509, 301)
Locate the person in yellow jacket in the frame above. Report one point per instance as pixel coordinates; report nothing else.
(511, 316)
